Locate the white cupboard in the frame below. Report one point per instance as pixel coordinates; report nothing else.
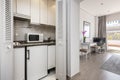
(23, 7)
(39, 11)
(51, 56)
(37, 62)
(14, 6)
(35, 12)
(19, 63)
(43, 11)
(51, 12)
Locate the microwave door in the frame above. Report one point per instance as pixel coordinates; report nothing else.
(33, 38)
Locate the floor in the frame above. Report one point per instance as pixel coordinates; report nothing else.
(91, 68)
(50, 76)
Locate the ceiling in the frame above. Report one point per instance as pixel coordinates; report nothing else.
(101, 7)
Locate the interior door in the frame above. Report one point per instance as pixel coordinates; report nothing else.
(61, 39)
(6, 40)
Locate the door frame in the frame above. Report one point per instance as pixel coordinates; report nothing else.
(6, 40)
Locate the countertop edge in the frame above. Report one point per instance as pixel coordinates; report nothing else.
(36, 44)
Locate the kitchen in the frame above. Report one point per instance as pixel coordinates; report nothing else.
(34, 39)
(27, 20)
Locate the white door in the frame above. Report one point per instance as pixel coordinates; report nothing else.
(61, 39)
(37, 62)
(6, 39)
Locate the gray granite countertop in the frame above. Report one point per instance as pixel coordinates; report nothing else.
(33, 44)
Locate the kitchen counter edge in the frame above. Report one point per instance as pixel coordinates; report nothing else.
(34, 44)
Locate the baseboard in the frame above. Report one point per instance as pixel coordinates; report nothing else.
(72, 78)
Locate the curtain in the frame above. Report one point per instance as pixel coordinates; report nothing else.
(102, 26)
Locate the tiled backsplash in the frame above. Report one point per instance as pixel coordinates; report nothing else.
(23, 27)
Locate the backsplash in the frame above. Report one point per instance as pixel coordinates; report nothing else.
(23, 27)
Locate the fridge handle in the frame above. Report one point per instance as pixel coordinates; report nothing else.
(28, 54)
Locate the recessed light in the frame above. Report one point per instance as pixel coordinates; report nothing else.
(101, 3)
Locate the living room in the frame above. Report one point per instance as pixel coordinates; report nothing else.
(99, 30)
(90, 15)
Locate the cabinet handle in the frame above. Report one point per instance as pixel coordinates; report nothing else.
(28, 56)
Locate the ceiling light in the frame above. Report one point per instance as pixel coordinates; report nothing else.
(101, 3)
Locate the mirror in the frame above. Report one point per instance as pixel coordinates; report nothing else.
(86, 27)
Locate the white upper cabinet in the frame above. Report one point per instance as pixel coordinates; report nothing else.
(38, 11)
(23, 7)
(35, 12)
(43, 11)
(14, 6)
(51, 12)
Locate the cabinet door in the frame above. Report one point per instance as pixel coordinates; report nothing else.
(43, 11)
(51, 13)
(23, 7)
(35, 12)
(37, 63)
(51, 57)
(19, 63)
(14, 6)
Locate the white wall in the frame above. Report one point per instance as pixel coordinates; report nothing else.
(74, 28)
(85, 16)
(73, 38)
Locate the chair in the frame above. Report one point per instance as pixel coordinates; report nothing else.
(85, 49)
(101, 46)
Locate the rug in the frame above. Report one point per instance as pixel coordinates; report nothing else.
(112, 64)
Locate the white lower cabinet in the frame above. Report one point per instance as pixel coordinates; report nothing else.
(51, 56)
(19, 63)
(37, 62)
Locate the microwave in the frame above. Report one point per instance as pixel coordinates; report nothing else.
(34, 37)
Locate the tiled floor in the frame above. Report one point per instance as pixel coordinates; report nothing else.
(91, 68)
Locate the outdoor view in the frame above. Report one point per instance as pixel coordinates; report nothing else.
(113, 35)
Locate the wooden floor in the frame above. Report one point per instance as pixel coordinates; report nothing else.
(91, 68)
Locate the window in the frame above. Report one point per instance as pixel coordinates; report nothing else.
(86, 27)
(113, 30)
